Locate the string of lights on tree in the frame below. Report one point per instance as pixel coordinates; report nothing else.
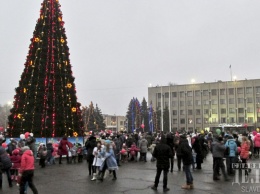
(45, 102)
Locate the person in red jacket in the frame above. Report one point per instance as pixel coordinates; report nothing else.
(26, 171)
(244, 154)
(16, 160)
(257, 143)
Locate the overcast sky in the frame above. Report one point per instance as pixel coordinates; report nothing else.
(119, 47)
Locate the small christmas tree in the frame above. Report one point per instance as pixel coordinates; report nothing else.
(45, 101)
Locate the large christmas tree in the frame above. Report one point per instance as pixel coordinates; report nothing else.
(45, 101)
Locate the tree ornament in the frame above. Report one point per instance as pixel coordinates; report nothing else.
(31, 62)
(75, 134)
(62, 40)
(69, 85)
(60, 19)
(36, 39)
(24, 90)
(73, 109)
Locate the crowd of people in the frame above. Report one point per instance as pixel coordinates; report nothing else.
(106, 152)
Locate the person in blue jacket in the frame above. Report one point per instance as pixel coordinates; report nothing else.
(231, 158)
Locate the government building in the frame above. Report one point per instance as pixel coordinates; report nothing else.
(207, 105)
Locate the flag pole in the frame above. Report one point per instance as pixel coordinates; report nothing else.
(231, 72)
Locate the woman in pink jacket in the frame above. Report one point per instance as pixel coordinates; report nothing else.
(257, 143)
(244, 154)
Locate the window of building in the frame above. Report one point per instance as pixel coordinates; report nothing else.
(166, 104)
(182, 103)
(182, 112)
(197, 111)
(240, 110)
(241, 119)
(214, 101)
(198, 120)
(159, 95)
(232, 120)
(174, 112)
(206, 111)
(174, 94)
(213, 92)
(240, 100)
(223, 111)
(166, 94)
(189, 112)
(231, 100)
(159, 104)
(249, 100)
(258, 119)
(232, 110)
(189, 102)
(182, 121)
(223, 120)
(206, 120)
(250, 119)
(240, 90)
(197, 102)
(231, 91)
(206, 102)
(121, 122)
(214, 120)
(174, 103)
(189, 93)
(250, 109)
(205, 92)
(222, 101)
(174, 121)
(222, 91)
(197, 93)
(214, 111)
(257, 89)
(190, 120)
(257, 99)
(249, 90)
(182, 94)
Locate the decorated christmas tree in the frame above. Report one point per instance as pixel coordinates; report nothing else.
(45, 102)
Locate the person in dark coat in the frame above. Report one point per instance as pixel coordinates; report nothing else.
(170, 143)
(90, 145)
(63, 149)
(5, 167)
(186, 153)
(162, 152)
(50, 158)
(11, 147)
(198, 149)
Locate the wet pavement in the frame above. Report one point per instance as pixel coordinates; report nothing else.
(133, 178)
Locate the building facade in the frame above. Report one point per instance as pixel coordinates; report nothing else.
(204, 105)
(114, 123)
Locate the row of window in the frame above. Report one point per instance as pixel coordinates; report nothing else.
(215, 120)
(213, 92)
(215, 111)
(213, 102)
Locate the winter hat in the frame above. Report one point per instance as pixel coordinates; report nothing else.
(16, 152)
(108, 141)
(24, 148)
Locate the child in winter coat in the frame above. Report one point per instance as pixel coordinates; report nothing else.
(80, 153)
(16, 161)
(133, 152)
(73, 151)
(124, 153)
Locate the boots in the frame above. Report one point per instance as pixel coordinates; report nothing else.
(186, 186)
(94, 177)
(191, 186)
(101, 176)
(114, 175)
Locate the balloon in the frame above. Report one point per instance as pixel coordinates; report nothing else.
(22, 136)
(218, 131)
(142, 126)
(4, 145)
(26, 135)
(257, 129)
(201, 132)
(254, 133)
(31, 134)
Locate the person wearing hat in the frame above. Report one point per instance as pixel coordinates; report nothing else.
(26, 171)
(162, 152)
